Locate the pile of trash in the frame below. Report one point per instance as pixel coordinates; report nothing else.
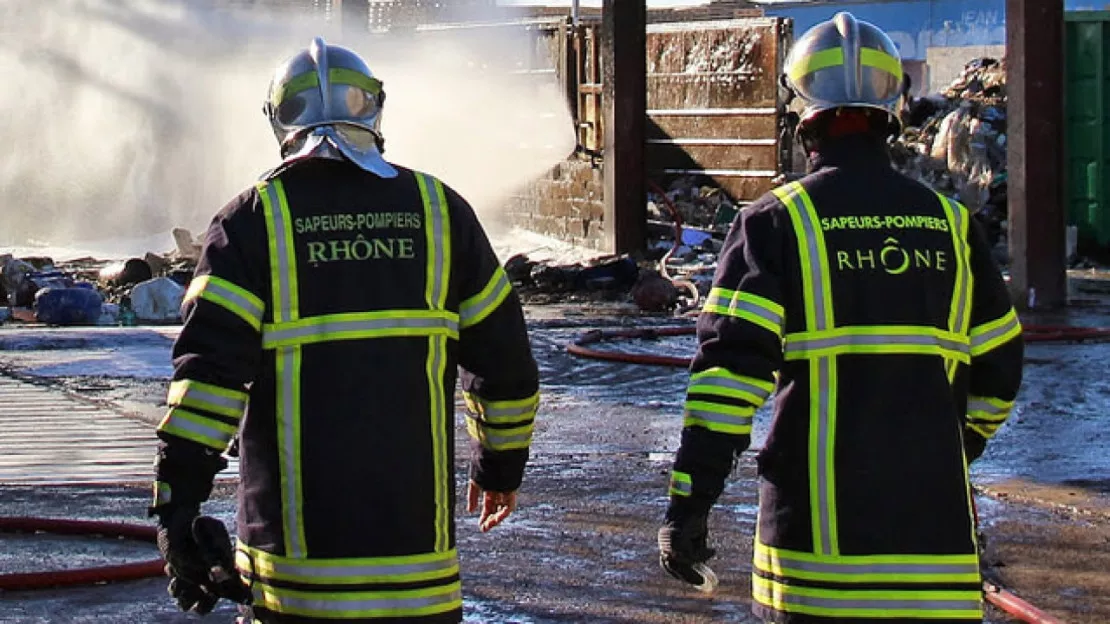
(88, 291)
(955, 142)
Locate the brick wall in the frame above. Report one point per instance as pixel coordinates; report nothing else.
(565, 204)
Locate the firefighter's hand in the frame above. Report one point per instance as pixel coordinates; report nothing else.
(496, 506)
(185, 564)
(683, 549)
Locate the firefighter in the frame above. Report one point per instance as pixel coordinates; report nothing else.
(870, 306)
(335, 306)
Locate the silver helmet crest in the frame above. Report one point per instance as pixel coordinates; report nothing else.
(325, 103)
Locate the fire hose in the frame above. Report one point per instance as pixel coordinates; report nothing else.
(582, 346)
(81, 576)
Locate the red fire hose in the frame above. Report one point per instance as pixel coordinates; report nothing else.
(581, 345)
(1016, 606)
(80, 576)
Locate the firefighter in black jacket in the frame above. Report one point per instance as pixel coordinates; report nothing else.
(870, 305)
(332, 307)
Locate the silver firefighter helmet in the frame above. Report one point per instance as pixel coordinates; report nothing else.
(845, 63)
(325, 103)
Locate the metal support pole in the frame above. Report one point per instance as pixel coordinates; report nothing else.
(1035, 77)
(624, 101)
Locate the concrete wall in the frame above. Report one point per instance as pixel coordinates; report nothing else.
(946, 64)
(566, 204)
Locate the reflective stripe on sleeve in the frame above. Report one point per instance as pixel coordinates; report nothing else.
(681, 484)
(235, 299)
(721, 382)
(747, 306)
(989, 336)
(475, 309)
(730, 419)
(986, 415)
(207, 397)
(499, 439)
(200, 429)
(502, 412)
(851, 604)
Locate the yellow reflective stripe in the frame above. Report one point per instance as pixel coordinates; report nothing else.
(867, 568)
(359, 604)
(862, 603)
(496, 439)
(747, 306)
(731, 419)
(437, 274)
(989, 336)
(833, 57)
(873, 57)
(339, 75)
(806, 249)
(283, 278)
(361, 326)
(239, 301)
(503, 412)
(988, 409)
(719, 381)
(207, 397)
(876, 340)
(988, 431)
(681, 484)
(823, 379)
(959, 316)
(198, 428)
(475, 309)
(163, 493)
(295, 85)
(348, 571)
(283, 260)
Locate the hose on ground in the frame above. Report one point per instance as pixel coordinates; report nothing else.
(1015, 606)
(582, 345)
(80, 576)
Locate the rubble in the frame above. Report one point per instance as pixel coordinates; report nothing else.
(88, 291)
(955, 142)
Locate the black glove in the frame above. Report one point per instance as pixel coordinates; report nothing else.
(185, 563)
(199, 560)
(683, 548)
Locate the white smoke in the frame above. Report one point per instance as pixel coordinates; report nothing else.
(122, 119)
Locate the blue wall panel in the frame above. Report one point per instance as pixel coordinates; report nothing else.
(916, 25)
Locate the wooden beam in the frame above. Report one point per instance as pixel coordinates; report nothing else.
(1037, 213)
(624, 97)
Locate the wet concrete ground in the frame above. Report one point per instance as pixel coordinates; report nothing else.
(581, 548)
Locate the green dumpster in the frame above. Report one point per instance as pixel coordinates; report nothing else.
(1087, 79)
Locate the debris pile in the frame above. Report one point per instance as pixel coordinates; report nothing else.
(955, 142)
(88, 291)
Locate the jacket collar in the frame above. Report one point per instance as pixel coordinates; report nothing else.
(849, 152)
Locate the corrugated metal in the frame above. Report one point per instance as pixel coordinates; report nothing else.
(713, 102)
(49, 437)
